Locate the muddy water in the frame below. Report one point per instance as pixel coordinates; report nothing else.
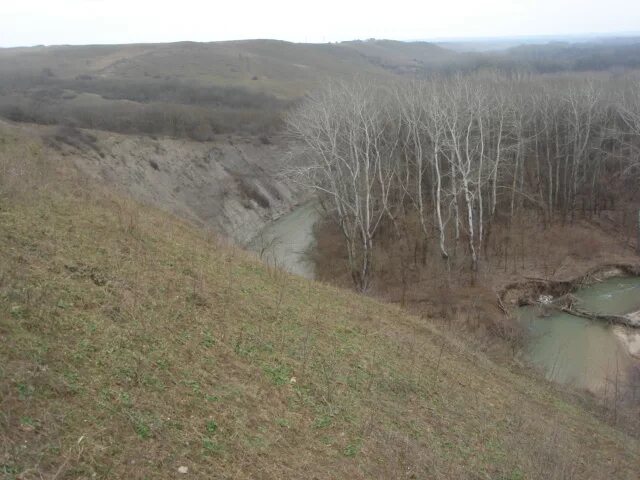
(286, 241)
(587, 354)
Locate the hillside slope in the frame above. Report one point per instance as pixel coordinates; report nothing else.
(282, 68)
(233, 185)
(133, 344)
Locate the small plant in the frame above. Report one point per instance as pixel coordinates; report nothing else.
(195, 386)
(162, 364)
(516, 475)
(8, 470)
(63, 305)
(17, 312)
(283, 422)
(279, 374)
(125, 398)
(327, 440)
(212, 426)
(24, 390)
(352, 449)
(152, 382)
(210, 446)
(143, 430)
(71, 378)
(208, 341)
(322, 421)
(27, 423)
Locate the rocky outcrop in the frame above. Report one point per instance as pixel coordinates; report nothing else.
(232, 185)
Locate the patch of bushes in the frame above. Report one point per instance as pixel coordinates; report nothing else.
(150, 107)
(179, 121)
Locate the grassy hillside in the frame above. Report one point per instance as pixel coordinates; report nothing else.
(282, 68)
(133, 344)
(410, 57)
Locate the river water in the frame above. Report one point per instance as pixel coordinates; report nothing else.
(286, 242)
(588, 354)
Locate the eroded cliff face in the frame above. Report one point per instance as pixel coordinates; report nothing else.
(232, 185)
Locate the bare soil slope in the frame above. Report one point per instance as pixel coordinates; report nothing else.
(231, 185)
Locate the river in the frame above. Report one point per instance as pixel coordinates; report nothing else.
(586, 354)
(286, 241)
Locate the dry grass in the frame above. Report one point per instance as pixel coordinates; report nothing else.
(133, 343)
(21, 165)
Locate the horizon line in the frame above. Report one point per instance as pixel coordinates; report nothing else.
(434, 40)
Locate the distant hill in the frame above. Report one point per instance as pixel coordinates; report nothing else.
(403, 57)
(281, 68)
(489, 44)
(188, 89)
(199, 90)
(563, 56)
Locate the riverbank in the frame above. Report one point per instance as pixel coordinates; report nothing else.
(584, 338)
(287, 241)
(521, 261)
(529, 290)
(630, 339)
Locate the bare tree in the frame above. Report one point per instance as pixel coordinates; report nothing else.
(455, 155)
(344, 127)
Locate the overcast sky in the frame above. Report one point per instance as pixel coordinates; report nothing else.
(49, 22)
